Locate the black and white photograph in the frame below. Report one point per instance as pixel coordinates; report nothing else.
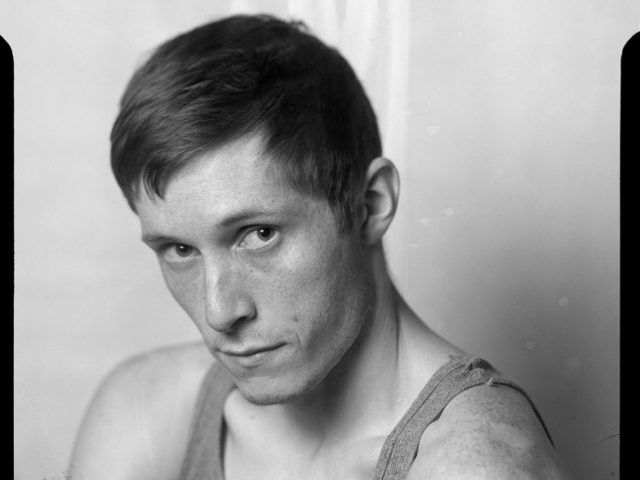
(319, 240)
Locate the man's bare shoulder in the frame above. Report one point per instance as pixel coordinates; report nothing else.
(137, 425)
(487, 432)
(161, 368)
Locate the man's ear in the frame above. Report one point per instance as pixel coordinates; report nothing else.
(379, 200)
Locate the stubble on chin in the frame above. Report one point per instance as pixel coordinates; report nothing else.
(277, 397)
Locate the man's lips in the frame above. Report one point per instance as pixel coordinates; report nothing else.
(249, 351)
(250, 357)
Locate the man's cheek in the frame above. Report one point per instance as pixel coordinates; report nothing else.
(187, 293)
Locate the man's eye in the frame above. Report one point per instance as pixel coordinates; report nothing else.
(177, 253)
(259, 238)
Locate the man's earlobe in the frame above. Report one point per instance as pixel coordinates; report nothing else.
(380, 199)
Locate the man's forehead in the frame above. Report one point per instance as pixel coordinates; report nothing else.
(220, 187)
(234, 168)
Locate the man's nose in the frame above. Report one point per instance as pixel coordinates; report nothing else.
(227, 300)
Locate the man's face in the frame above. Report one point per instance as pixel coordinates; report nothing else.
(278, 294)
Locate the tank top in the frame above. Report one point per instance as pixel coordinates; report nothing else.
(203, 460)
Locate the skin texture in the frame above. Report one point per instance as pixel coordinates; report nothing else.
(487, 432)
(137, 425)
(326, 355)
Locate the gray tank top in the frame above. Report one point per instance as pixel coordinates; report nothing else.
(203, 460)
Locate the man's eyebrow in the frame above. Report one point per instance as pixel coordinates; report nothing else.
(247, 214)
(155, 239)
(235, 218)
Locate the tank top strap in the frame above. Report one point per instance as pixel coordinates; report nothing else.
(459, 374)
(203, 459)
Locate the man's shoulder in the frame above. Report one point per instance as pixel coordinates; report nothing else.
(140, 415)
(487, 432)
(162, 366)
(158, 376)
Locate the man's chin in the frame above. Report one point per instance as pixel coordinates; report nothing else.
(273, 394)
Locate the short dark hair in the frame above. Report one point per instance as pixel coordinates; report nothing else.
(242, 75)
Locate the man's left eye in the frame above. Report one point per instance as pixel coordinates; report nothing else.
(259, 238)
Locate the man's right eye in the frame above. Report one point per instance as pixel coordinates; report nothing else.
(177, 253)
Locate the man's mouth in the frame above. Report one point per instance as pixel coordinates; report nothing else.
(249, 351)
(248, 357)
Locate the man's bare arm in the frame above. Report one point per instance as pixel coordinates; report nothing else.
(137, 425)
(487, 432)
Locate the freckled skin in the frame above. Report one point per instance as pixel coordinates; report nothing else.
(310, 290)
(487, 432)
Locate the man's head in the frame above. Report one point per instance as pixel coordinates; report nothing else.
(251, 155)
(242, 75)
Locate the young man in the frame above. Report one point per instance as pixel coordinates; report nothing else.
(251, 155)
